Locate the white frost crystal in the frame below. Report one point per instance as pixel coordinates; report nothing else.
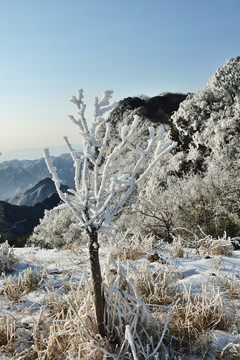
(99, 190)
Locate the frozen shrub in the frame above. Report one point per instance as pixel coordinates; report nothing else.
(198, 186)
(208, 120)
(177, 249)
(56, 230)
(220, 246)
(6, 257)
(100, 192)
(202, 203)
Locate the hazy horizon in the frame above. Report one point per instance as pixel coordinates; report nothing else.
(34, 153)
(49, 49)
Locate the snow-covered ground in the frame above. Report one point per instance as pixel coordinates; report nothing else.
(58, 271)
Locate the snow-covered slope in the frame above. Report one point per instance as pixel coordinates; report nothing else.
(44, 301)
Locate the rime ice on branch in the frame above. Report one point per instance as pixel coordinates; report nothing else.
(98, 195)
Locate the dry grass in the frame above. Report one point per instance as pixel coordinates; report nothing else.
(130, 253)
(3, 332)
(23, 283)
(214, 247)
(56, 304)
(219, 247)
(177, 249)
(230, 351)
(159, 287)
(136, 323)
(11, 335)
(229, 286)
(133, 331)
(149, 315)
(132, 247)
(193, 316)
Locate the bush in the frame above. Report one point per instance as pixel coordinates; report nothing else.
(6, 257)
(202, 203)
(214, 247)
(56, 230)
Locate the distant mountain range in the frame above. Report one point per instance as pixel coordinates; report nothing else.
(24, 210)
(30, 191)
(16, 176)
(37, 194)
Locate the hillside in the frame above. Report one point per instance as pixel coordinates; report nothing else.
(195, 189)
(19, 221)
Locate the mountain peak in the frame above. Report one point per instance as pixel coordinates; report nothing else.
(38, 193)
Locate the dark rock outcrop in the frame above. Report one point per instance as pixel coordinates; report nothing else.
(160, 108)
(157, 109)
(19, 221)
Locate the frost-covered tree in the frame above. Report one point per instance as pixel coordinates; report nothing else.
(206, 194)
(199, 203)
(56, 230)
(208, 120)
(100, 189)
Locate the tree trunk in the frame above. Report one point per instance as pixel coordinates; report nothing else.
(99, 300)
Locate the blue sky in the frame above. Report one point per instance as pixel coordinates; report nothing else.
(50, 48)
